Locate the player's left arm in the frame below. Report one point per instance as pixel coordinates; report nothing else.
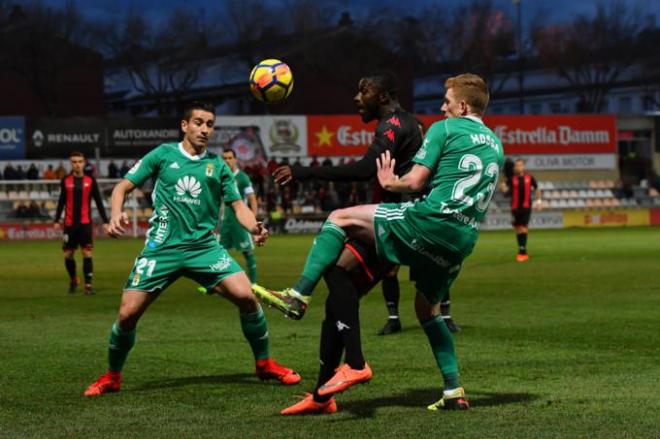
(537, 194)
(251, 197)
(249, 221)
(96, 194)
(413, 181)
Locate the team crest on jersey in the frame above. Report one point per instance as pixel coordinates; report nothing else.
(136, 279)
(209, 170)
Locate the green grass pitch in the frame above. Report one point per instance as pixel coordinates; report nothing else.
(566, 345)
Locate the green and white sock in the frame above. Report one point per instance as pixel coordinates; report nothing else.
(255, 329)
(324, 253)
(442, 345)
(120, 344)
(251, 263)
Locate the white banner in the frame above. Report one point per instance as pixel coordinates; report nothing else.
(569, 161)
(284, 136)
(538, 220)
(281, 136)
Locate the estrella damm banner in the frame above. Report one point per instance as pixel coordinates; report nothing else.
(553, 134)
(338, 135)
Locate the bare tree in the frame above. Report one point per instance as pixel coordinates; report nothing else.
(481, 39)
(648, 66)
(162, 63)
(591, 53)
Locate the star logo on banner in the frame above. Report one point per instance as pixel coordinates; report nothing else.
(324, 136)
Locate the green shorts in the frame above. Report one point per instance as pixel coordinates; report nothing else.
(156, 269)
(435, 268)
(236, 237)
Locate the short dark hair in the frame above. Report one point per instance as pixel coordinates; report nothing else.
(76, 154)
(197, 105)
(229, 150)
(519, 159)
(385, 80)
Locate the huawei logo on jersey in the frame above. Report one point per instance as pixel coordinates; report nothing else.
(188, 186)
(389, 133)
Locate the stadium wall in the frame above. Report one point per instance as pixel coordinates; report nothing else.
(305, 224)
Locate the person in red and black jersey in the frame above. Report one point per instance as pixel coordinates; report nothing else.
(76, 193)
(521, 187)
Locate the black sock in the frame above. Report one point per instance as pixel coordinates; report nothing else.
(70, 265)
(522, 243)
(330, 352)
(88, 269)
(391, 294)
(445, 306)
(344, 304)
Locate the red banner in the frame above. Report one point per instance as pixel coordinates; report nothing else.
(338, 135)
(523, 135)
(28, 231)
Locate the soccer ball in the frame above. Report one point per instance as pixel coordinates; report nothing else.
(271, 81)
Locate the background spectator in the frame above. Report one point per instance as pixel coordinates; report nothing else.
(49, 173)
(113, 170)
(32, 172)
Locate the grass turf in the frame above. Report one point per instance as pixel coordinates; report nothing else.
(566, 345)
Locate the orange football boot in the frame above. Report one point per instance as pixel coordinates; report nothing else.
(310, 407)
(268, 369)
(107, 383)
(520, 257)
(344, 378)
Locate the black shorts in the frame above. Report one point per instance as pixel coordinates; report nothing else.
(370, 269)
(80, 235)
(521, 216)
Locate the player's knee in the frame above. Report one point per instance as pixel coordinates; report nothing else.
(247, 304)
(338, 216)
(423, 309)
(127, 318)
(68, 254)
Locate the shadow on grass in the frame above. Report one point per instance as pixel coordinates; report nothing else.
(234, 378)
(420, 398)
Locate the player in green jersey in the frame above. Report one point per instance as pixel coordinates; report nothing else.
(190, 185)
(232, 234)
(460, 158)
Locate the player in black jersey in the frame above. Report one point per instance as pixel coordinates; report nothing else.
(357, 269)
(76, 194)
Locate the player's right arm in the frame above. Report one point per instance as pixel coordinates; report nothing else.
(136, 176)
(119, 218)
(413, 181)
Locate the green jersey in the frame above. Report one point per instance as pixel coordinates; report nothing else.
(465, 158)
(187, 194)
(244, 186)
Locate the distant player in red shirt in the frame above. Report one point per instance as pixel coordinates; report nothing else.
(76, 193)
(520, 188)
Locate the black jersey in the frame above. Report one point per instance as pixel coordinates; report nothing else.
(397, 132)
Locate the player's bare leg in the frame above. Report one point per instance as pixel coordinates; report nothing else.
(122, 339)
(355, 222)
(442, 345)
(236, 288)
